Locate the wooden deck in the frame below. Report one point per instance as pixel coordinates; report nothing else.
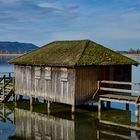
(110, 91)
(120, 98)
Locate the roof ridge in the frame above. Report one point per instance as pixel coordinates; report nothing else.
(86, 45)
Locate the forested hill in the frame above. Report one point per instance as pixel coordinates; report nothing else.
(16, 47)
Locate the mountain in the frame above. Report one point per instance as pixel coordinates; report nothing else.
(16, 47)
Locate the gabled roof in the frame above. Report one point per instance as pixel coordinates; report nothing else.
(73, 53)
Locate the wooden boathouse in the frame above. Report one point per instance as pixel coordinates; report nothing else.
(68, 71)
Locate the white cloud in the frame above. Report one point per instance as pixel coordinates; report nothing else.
(50, 5)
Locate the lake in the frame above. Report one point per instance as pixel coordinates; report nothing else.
(21, 123)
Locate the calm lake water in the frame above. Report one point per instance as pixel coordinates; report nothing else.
(22, 123)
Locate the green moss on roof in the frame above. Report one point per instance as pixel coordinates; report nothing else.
(73, 53)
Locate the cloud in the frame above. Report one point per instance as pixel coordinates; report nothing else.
(40, 21)
(50, 5)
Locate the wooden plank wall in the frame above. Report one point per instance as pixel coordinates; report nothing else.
(54, 84)
(87, 80)
(32, 125)
(86, 83)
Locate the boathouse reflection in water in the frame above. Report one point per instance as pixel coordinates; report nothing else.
(36, 126)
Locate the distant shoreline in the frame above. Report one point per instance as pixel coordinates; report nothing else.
(134, 54)
(10, 54)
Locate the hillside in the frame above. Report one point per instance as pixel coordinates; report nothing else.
(16, 47)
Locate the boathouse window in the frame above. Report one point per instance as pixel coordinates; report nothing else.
(48, 73)
(64, 74)
(37, 72)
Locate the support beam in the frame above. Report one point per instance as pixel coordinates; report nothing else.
(137, 113)
(15, 100)
(99, 109)
(72, 108)
(31, 100)
(10, 75)
(20, 97)
(48, 106)
(44, 101)
(31, 108)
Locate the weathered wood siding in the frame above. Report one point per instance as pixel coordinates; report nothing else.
(35, 126)
(54, 84)
(86, 83)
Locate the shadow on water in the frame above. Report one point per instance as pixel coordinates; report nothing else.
(60, 124)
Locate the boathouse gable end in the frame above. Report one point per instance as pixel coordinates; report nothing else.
(68, 71)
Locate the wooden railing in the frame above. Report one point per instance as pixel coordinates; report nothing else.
(6, 87)
(118, 89)
(6, 74)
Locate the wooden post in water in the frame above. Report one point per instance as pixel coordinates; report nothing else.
(15, 100)
(137, 113)
(72, 108)
(20, 98)
(99, 109)
(44, 101)
(48, 106)
(31, 103)
(10, 75)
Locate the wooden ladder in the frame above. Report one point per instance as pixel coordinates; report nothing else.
(6, 88)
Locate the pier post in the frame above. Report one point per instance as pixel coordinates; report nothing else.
(48, 106)
(31, 100)
(137, 113)
(99, 109)
(10, 75)
(44, 101)
(20, 97)
(31, 103)
(15, 100)
(72, 108)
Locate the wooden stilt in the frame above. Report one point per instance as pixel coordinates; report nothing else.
(10, 75)
(99, 109)
(31, 100)
(31, 108)
(98, 134)
(137, 113)
(72, 108)
(15, 100)
(72, 117)
(48, 106)
(20, 97)
(44, 101)
(31, 103)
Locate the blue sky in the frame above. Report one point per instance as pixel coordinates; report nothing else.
(112, 23)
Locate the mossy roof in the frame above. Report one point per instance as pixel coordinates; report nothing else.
(73, 53)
